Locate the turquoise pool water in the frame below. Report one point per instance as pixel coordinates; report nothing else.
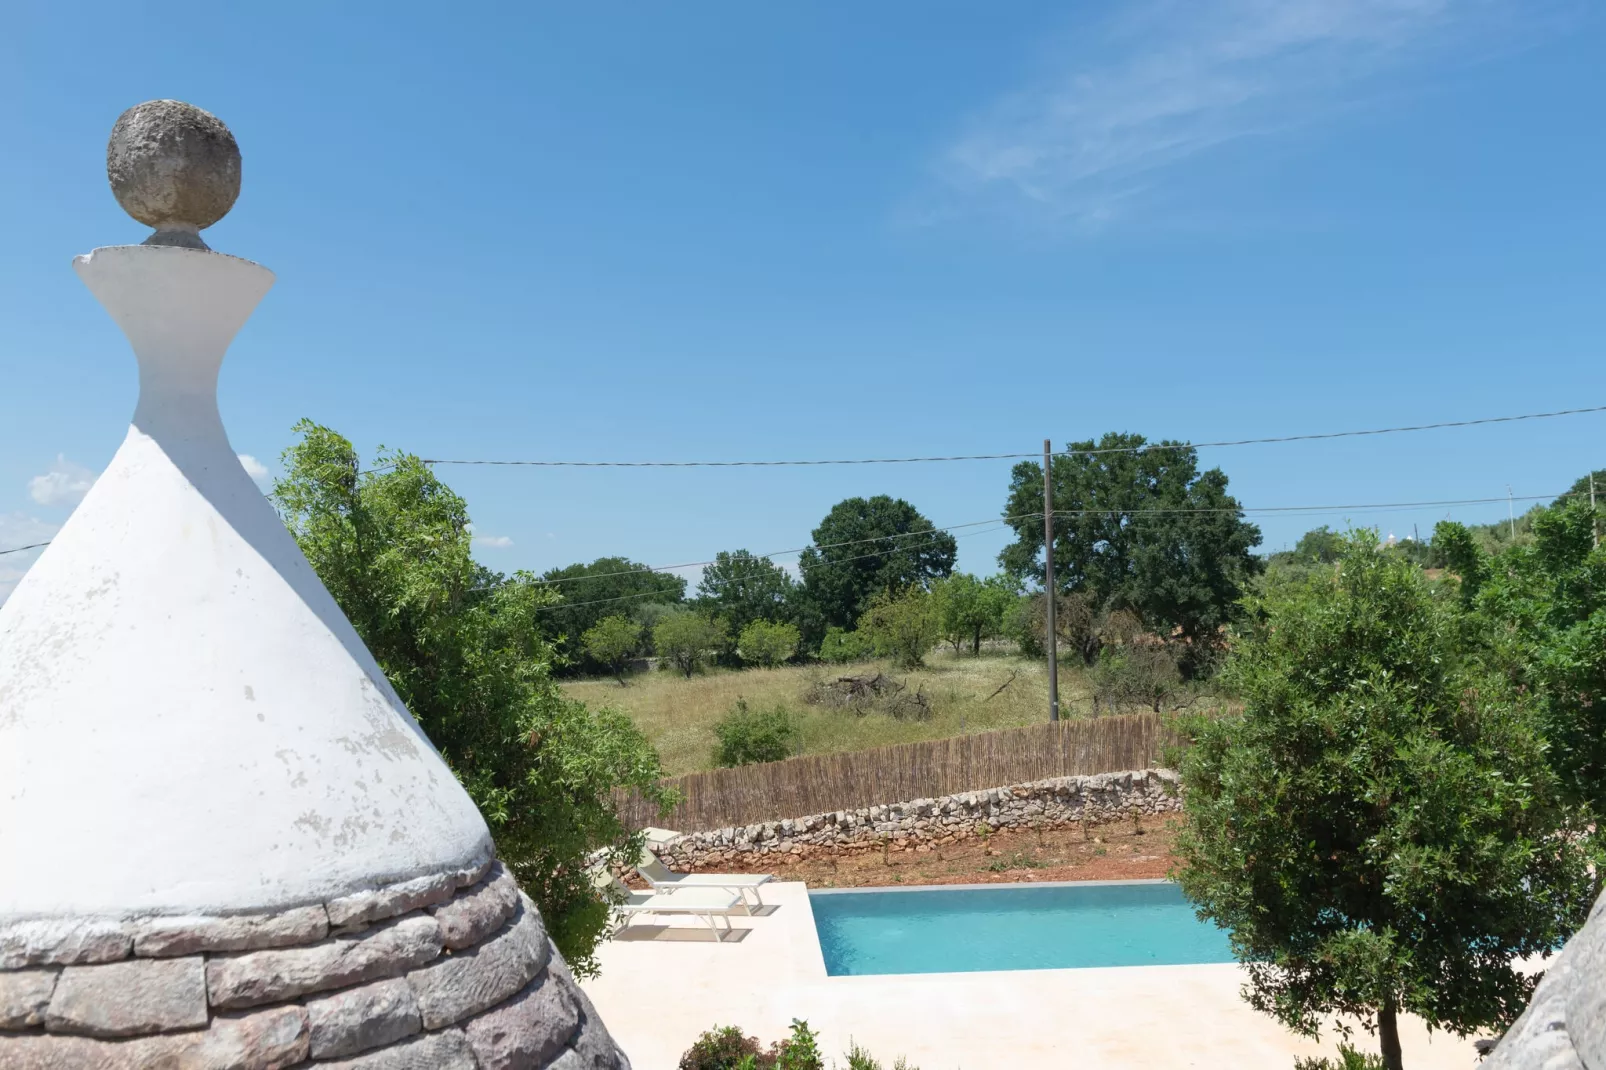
(1019, 927)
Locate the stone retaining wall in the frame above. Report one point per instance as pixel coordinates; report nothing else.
(451, 971)
(927, 823)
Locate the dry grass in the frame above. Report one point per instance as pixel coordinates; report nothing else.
(678, 715)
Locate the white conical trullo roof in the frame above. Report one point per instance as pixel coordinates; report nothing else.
(224, 842)
(188, 723)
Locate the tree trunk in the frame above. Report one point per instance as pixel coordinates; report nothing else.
(975, 644)
(1388, 1036)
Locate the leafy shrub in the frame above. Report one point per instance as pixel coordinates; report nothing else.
(902, 627)
(747, 735)
(859, 1059)
(724, 1049)
(1017, 627)
(1348, 1059)
(800, 1051)
(1074, 625)
(728, 1049)
(767, 642)
(841, 645)
(1143, 674)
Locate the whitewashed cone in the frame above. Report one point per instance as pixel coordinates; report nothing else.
(223, 839)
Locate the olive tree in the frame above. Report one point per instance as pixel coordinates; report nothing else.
(767, 643)
(612, 641)
(903, 627)
(686, 638)
(1378, 828)
(464, 648)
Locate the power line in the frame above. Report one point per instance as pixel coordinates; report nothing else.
(1236, 511)
(1147, 447)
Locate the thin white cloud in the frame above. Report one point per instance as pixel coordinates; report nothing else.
(253, 467)
(493, 542)
(18, 529)
(1118, 109)
(65, 484)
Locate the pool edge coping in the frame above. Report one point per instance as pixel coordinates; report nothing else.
(992, 885)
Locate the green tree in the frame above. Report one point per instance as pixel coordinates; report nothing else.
(903, 627)
(1580, 490)
(462, 646)
(969, 609)
(767, 643)
(1538, 618)
(613, 642)
(865, 547)
(742, 587)
(1378, 828)
(687, 638)
(1141, 529)
(604, 588)
(1320, 546)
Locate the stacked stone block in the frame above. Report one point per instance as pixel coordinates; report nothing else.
(927, 823)
(451, 971)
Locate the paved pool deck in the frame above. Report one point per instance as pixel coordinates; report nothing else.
(657, 994)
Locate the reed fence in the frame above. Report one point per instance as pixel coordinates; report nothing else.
(821, 783)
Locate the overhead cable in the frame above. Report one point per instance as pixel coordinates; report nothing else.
(1145, 448)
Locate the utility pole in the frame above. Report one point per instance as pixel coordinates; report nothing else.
(1511, 513)
(1048, 587)
(1594, 517)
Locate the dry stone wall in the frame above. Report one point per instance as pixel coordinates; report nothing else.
(449, 971)
(927, 823)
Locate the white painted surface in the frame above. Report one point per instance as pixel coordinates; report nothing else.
(187, 721)
(657, 997)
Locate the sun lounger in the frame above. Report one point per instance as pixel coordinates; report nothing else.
(664, 879)
(705, 903)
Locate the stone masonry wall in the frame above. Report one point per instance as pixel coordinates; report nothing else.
(453, 971)
(927, 823)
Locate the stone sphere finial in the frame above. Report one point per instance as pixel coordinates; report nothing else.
(173, 167)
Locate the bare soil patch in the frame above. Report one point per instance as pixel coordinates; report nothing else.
(1115, 850)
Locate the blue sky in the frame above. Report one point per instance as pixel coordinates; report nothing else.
(754, 231)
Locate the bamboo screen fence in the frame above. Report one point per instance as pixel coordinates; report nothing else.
(825, 782)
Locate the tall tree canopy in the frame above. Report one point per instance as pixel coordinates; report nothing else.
(607, 587)
(865, 547)
(1378, 827)
(970, 610)
(1538, 617)
(1139, 529)
(462, 646)
(743, 587)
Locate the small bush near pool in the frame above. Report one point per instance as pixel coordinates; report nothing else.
(721, 1048)
(1348, 1059)
(728, 1048)
(747, 735)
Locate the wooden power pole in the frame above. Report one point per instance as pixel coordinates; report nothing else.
(1594, 517)
(1048, 587)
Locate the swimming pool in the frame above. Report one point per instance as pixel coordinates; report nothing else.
(1014, 927)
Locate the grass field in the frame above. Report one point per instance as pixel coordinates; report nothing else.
(678, 714)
